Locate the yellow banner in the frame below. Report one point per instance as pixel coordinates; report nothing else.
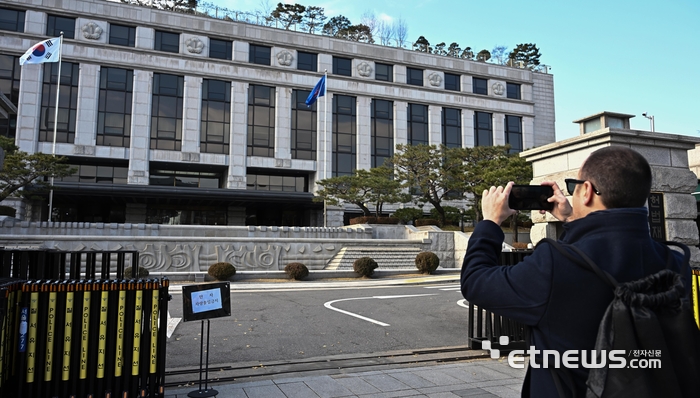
(50, 330)
(154, 331)
(67, 332)
(119, 361)
(138, 306)
(102, 343)
(31, 340)
(85, 335)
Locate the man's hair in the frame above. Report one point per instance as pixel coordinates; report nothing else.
(621, 175)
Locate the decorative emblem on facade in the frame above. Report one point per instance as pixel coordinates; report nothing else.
(498, 88)
(194, 45)
(435, 79)
(91, 31)
(285, 58)
(364, 69)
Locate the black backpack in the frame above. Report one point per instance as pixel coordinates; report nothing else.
(650, 317)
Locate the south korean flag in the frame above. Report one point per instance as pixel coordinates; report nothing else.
(46, 51)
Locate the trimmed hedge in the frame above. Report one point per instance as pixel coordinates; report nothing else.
(365, 266)
(296, 271)
(374, 220)
(426, 221)
(128, 271)
(427, 262)
(221, 271)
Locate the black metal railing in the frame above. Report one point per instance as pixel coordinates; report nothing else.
(72, 326)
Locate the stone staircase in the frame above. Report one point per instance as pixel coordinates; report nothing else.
(386, 257)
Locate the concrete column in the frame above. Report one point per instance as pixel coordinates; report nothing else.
(324, 142)
(667, 154)
(191, 118)
(283, 123)
(29, 108)
(528, 130)
(140, 128)
(400, 122)
(145, 38)
(499, 129)
(364, 133)
(241, 51)
(239, 136)
(35, 23)
(88, 97)
(468, 127)
(434, 125)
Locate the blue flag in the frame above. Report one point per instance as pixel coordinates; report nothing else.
(318, 91)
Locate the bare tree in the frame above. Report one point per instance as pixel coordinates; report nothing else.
(370, 20)
(499, 54)
(263, 13)
(401, 32)
(385, 33)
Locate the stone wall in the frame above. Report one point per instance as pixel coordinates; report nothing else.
(191, 249)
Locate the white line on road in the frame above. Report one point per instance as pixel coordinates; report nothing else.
(442, 287)
(463, 303)
(329, 305)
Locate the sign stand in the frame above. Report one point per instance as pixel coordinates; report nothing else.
(206, 392)
(203, 302)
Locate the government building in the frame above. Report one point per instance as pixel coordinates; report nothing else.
(172, 118)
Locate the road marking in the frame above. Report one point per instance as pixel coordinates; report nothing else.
(329, 305)
(172, 324)
(444, 287)
(463, 303)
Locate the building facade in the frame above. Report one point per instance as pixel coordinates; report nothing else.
(172, 118)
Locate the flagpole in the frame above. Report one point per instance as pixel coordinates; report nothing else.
(55, 119)
(325, 138)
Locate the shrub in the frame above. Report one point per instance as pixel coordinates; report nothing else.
(408, 215)
(374, 220)
(296, 271)
(128, 271)
(222, 271)
(451, 214)
(364, 266)
(427, 262)
(426, 221)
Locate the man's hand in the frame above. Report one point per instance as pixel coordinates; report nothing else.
(562, 210)
(494, 203)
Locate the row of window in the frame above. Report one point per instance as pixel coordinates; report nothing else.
(123, 35)
(115, 103)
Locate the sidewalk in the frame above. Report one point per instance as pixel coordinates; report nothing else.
(479, 378)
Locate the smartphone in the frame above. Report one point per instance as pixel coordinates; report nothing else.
(530, 197)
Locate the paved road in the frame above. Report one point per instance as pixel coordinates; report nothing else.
(293, 324)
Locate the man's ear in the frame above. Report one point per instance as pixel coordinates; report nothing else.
(588, 194)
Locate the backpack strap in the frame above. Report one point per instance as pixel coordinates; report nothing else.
(583, 261)
(669, 256)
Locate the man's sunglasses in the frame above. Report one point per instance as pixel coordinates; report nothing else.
(572, 182)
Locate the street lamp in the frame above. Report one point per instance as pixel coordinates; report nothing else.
(651, 120)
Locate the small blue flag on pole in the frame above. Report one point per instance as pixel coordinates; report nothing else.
(318, 91)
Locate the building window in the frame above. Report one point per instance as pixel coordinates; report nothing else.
(483, 129)
(55, 25)
(220, 49)
(384, 72)
(67, 106)
(277, 182)
(121, 35)
(168, 42)
(452, 82)
(307, 61)
(382, 131)
(514, 133)
(452, 127)
(513, 90)
(480, 86)
(342, 66)
(414, 76)
(10, 72)
(12, 20)
(261, 121)
(166, 112)
(186, 215)
(344, 133)
(185, 178)
(114, 107)
(259, 54)
(303, 126)
(94, 173)
(417, 124)
(216, 116)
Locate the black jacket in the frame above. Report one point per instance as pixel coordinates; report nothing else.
(562, 302)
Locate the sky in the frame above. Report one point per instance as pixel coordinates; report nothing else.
(615, 55)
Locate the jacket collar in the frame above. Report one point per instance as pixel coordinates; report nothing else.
(631, 221)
